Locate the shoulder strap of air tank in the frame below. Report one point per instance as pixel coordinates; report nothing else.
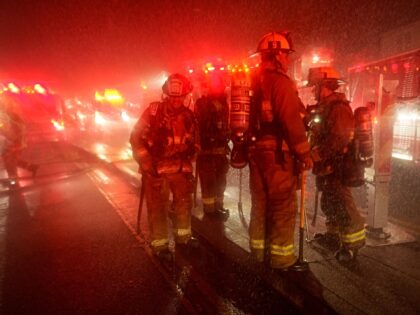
(153, 108)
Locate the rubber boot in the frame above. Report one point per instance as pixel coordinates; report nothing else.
(164, 255)
(222, 213)
(328, 240)
(344, 255)
(190, 245)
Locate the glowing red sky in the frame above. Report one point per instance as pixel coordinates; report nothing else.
(80, 45)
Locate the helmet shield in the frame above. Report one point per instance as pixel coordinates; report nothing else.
(177, 85)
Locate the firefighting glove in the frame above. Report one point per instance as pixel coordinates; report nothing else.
(145, 162)
(146, 166)
(305, 162)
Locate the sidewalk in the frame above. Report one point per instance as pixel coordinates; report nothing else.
(385, 279)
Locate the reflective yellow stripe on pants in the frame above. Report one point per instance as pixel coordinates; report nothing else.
(353, 237)
(257, 244)
(208, 201)
(282, 250)
(183, 232)
(160, 243)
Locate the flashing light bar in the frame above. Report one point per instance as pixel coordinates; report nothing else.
(13, 88)
(40, 89)
(112, 96)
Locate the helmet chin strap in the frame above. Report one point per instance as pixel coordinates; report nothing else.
(279, 64)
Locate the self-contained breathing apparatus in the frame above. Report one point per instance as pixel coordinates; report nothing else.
(358, 154)
(240, 108)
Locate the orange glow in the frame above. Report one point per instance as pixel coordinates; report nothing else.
(99, 97)
(112, 96)
(27, 90)
(143, 85)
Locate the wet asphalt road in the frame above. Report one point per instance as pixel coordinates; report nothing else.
(65, 250)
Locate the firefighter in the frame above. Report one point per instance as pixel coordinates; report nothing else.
(12, 128)
(345, 227)
(164, 141)
(212, 113)
(278, 143)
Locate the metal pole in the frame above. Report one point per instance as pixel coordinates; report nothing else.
(313, 223)
(140, 210)
(301, 264)
(195, 185)
(240, 191)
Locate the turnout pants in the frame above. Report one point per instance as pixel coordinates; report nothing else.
(212, 170)
(157, 190)
(274, 205)
(341, 212)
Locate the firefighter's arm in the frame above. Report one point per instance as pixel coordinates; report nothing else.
(288, 109)
(138, 142)
(340, 132)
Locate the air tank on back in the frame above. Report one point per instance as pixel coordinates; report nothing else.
(239, 117)
(363, 132)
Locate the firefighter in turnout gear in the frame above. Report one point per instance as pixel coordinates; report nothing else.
(331, 145)
(164, 142)
(13, 133)
(212, 113)
(278, 144)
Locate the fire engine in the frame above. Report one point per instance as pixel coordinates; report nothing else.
(41, 109)
(396, 77)
(389, 86)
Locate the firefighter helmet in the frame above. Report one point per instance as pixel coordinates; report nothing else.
(322, 74)
(275, 42)
(177, 85)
